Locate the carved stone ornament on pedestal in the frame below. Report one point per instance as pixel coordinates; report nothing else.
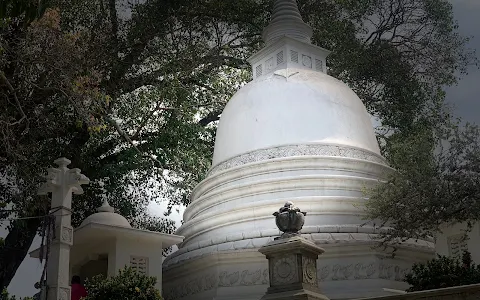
(289, 220)
(292, 259)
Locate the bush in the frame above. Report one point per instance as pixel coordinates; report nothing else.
(443, 272)
(127, 285)
(5, 296)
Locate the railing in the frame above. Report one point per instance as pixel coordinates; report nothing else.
(464, 292)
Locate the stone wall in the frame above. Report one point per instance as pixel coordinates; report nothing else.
(465, 292)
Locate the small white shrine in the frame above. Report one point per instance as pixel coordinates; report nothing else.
(104, 243)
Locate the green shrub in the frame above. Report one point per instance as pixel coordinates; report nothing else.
(443, 272)
(5, 296)
(127, 285)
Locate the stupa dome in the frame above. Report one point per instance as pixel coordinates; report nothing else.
(106, 216)
(293, 134)
(292, 107)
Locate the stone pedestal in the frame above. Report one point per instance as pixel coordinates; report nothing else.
(292, 264)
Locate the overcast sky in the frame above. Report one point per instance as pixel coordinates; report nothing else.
(464, 97)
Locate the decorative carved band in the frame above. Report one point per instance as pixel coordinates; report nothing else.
(318, 234)
(362, 271)
(332, 272)
(208, 282)
(297, 150)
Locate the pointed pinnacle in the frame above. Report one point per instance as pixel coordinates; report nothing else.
(287, 21)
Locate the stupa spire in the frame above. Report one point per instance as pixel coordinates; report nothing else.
(286, 21)
(288, 44)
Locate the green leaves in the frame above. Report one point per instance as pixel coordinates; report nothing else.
(5, 296)
(437, 181)
(388, 52)
(443, 272)
(28, 10)
(128, 284)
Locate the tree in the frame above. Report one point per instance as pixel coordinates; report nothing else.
(128, 284)
(27, 9)
(26, 47)
(5, 296)
(436, 182)
(387, 52)
(131, 93)
(443, 272)
(86, 81)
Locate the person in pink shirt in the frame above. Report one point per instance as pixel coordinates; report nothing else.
(78, 290)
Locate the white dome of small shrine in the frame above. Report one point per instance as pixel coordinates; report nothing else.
(106, 215)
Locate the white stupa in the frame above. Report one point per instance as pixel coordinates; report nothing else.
(292, 134)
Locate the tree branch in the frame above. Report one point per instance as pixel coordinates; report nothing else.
(129, 140)
(211, 117)
(19, 106)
